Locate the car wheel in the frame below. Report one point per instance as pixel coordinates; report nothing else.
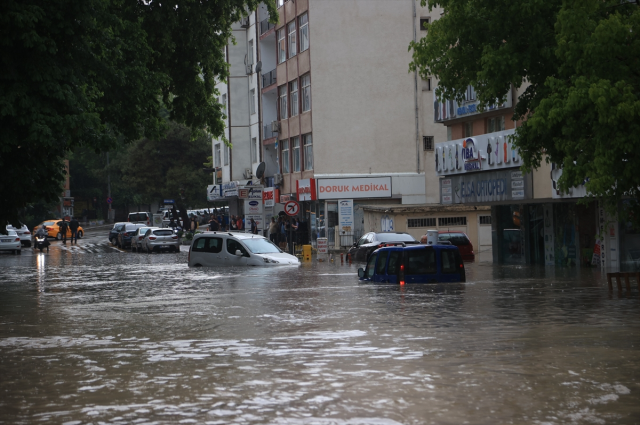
(59, 236)
(80, 234)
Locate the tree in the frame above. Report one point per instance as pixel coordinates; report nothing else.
(580, 62)
(97, 73)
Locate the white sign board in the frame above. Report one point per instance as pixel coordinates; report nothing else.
(345, 215)
(361, 187)
(254, 192)
(213, 192)
(268, 197)
(252, 207)
(323, 246)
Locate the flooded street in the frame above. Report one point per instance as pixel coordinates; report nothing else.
(95, 335)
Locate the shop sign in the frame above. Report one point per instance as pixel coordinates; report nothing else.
(229, 189)
(345, 215)
(287, 197)
(362, 187)
(213, 193)
(450, 109)
(485, 187)
(252, 207)
(323, 246)
(306, 189)
(486, 152)
(254, 193)
(268, 197)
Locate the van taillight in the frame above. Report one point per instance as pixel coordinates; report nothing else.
(401, 275)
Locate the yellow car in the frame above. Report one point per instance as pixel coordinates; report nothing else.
(53, 229)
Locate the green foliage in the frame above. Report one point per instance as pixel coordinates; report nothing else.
(102, 73)
(579, 61)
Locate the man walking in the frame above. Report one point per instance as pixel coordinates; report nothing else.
(63, 227)
(73, 225)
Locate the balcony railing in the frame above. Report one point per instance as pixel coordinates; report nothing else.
(267, 133)
(265, 26)
(269, 78)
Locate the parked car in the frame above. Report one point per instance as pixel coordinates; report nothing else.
(236, 249)
(138, 237)
(141, 217)
(461, 240)
(53, 229)
(10, 241)
(126, 233)
(414, 264)
(113, 233)
(159, 240)
(371, 241)
(23, 232)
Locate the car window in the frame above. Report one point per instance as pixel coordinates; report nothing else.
(394, 259)
(448, 258)
(395, 237)
(363, 240)
(421, 261)
(163, 232)
(49, 223)
(455, 238)
(371, 264)
(233, 245)
(382, 262)
(213, 245)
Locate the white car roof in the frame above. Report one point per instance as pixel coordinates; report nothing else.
(235, 235)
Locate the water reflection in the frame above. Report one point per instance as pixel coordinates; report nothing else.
(135, 338)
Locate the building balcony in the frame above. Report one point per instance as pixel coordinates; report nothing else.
(265, 26)
(267, 133)
(269, 78)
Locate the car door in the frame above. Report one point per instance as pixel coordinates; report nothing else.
(393, 265)
(369, 271)
(232, 245)
(381, 267)
(421, 266)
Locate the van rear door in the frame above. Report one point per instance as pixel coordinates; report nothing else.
(420, 265)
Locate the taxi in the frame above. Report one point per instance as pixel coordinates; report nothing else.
(399, 264)
(53, 229)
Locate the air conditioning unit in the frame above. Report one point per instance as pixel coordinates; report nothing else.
(248, 173)
(275, 126)
(249, 68)
(277, 178)
(244, 22)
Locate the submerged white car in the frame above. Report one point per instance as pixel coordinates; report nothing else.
(212, 249)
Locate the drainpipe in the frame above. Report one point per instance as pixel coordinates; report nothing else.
(415, 94)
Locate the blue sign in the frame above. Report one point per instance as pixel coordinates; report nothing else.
(169, 201)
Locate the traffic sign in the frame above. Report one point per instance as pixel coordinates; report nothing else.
(291, 208)
(109, 200)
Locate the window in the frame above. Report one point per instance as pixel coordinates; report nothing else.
(448, 258)
(254, 150)
(470, 95)
(495, 124)
(295, 152)
(427, 143)
(213, 245)
(426, 84)
(293, 91)
(224, 103)
(280, 3)
(467, 128)
(485, 219)
(282, 90)
(421, 222)
(452, 221)
(253, 101)
(226, 155)
(449, 134)
(217, 155)
(370, 265)
(423, 24)
(233, 246)
(282, 48)
(394, 259)
(382, 262)
(303, 23)
(305, 82)
(250, 53)
(285, 156)
(421, 262)
(308, 151)
(291, 27)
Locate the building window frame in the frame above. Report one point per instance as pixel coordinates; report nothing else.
(293, 98)
(282, 102)
(216, 155)
(467, 129)
(250, 53)
(452, 221)
(282, 45)
(284, 157)
(295, 154)
(291, 39)
(495, 124)
(424, 21)
(254, 150)
(224, 103)
(303, 25)
(307, 143)
(427, 143)
(305, 83)
(226, 154)
(252, 100)
(413, 223)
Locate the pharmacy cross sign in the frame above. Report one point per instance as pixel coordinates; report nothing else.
(291, 208)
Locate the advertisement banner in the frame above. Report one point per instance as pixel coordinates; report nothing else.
(345, 216)
(213, 192)
(252, 207)
(360, 187)
(269, 197)
(229, 189)
(254, 192)
(306, 189)
(480, 188)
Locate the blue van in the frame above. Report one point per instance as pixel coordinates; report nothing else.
(414, 264)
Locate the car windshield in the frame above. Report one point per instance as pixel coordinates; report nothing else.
(455, 238)
(395, 237)
(163, 232)
(261, 246)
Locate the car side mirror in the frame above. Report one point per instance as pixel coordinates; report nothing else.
(238, 253)
(355, 244)
(360, 272)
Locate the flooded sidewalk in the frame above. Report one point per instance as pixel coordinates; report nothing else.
(124, 338)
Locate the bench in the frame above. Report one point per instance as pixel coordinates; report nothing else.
(618, 277)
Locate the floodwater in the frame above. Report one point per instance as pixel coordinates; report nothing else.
(102, 336)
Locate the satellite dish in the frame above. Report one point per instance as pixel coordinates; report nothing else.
(258, 66)
(260, 169)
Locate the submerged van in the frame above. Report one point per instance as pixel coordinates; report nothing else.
(414, 264)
